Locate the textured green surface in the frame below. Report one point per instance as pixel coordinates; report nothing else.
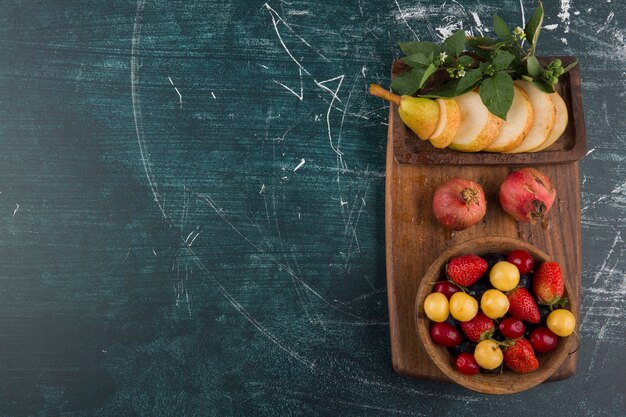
(164, 256)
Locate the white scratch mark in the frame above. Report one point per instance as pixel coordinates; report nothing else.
(134, 84)
(618, 238)
(301, 95)
(194, 239)
(299, 13)
(564, 14)
(343, 203)
(448, 29)
(275, 20)
(262, 189)
(479, 24)
(302, 161)
(180, 97)
(263, 66)
(363, 200)
(153, 251)
(364, 71)
(551, 27)
(213, 95)
(564, 40)
(521, 6)
(17, 207)
(330, 107)
(405, 21)
(590, 151)
(609, 19)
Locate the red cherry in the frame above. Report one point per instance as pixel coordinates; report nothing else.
(522, 260)
(543, 340)
(445, 334)
(466, 364)
(512, 328)
(446, 288)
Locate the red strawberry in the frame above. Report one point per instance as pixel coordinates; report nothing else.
(520, 357)
(548, 284)
(522, 306)
(467, 269)
(479, 328)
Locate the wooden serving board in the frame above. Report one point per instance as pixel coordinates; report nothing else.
(414, 238)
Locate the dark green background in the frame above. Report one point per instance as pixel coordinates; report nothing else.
(278, 307)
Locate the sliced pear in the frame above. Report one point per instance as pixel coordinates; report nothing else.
(478, 127)
(448, 124)
(419, 114)
(544, 115)
(559, 125)
(519, 120)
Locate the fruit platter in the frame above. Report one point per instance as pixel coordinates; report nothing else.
(485, 167)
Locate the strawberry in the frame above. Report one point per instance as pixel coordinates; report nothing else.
(479, 328)
(466, 270)
(520, 357)
(548, 285)
(522, 306)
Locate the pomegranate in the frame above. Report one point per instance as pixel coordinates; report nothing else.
(459, 203)
(527, 195)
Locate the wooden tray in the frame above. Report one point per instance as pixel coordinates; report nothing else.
(414, 239)
(571, 146)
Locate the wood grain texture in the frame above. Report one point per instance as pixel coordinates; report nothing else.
(414, 239)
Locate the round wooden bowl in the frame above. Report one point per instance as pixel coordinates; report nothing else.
(508, 382)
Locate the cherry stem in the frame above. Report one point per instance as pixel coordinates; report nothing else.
(578, 346)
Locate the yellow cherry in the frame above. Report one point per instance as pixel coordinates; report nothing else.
(494, 304)
(488, 354)
(463, 307)
(436, 307)
(504, 276)
(562, 322)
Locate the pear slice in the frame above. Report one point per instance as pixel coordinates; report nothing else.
(519, 120)
(559, 125)
(419, 114)
(544, 115)
(448, 124)
(478, 127)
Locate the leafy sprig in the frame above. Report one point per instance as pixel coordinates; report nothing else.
(487, 63)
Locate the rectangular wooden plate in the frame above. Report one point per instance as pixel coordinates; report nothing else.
(571, 146)
(414, 239)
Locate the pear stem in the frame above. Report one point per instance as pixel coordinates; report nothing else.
(378, 91)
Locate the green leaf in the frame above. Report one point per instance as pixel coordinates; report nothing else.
(535, 69)
(465, 60)
(428, 71)
(502, 60)
(533, 26)
(471, 79)
(407, 83)
(449, 89)
(484, 67)
(544, 86)
(501, 28)
(458, 86)
(475, 42)
(418, 60)
(410, 48)
(497, 93)
(455, 44)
